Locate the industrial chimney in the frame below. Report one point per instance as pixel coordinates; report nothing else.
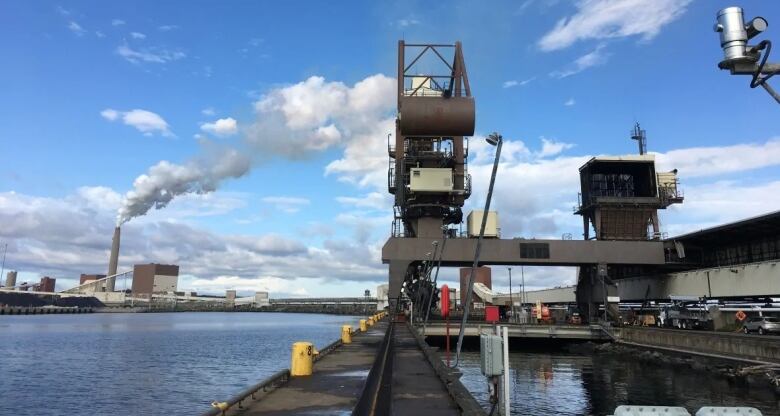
(113, 261)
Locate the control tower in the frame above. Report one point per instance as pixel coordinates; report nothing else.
(620, 196)
(619, 200)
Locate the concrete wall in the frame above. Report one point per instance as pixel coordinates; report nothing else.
(163, 283)
(726, 344)
(745, 280)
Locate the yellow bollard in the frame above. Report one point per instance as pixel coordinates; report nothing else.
(346, 334)
(302, 360)
(370, 321)
(362, 325)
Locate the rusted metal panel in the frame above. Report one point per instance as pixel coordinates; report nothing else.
(436, 116)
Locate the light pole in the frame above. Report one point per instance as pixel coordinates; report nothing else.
(511, 303)
(522, 282)
(2, 270)
(494, 139)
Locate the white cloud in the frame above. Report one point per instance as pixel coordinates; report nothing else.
(222, 127)
(167, 28)
(552, 147)
(591, 59)
(109, 114)
(717, 160)
(152, 55)
(144, 121)
(515, 83)
(604, 19)
(372, 200)
(76, 28)
(288, 204)
(315, 115)
(137, 35)
(100, 34)
(570, 102)
(208, 111)
(117, 22)
(406, 22)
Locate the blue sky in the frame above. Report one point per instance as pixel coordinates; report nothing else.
(297, 96)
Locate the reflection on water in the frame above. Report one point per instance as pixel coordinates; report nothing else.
(139, 364)
(571, 384)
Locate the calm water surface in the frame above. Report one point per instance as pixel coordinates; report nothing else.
(145, 363)
(569, 384)
(177, 363)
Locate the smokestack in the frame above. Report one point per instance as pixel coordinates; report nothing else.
(10, 279)
(113, 261)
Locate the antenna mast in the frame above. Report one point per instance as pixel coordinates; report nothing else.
(638, 134)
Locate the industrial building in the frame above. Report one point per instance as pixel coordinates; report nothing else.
(482, 274)
(47, 284)
(739, 259)
(155, 278)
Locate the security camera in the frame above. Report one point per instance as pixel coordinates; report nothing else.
(739, 57)
(734, 34)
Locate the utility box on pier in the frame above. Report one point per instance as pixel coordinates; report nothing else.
(491, 353)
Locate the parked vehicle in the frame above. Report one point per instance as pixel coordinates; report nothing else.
(762, 325)
(684, 315)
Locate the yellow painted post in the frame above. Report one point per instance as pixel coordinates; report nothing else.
(370, 321)
(346, 334)
(302, 361)
(362, 325)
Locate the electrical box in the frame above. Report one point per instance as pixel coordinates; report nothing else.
(491, 355)
(430, 180)
(474, 222)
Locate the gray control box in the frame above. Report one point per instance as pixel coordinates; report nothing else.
(491, 354)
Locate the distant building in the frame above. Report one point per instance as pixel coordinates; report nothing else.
(47, 284)
(90, 277)
(155, 278)
(261, 299)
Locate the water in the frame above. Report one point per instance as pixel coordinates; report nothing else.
(557, 383)
(177, 363)
(145, 363)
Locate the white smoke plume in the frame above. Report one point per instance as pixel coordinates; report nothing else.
(293, 122)
(165, 180)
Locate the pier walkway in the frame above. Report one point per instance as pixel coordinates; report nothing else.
(333, 388)
(383, 371)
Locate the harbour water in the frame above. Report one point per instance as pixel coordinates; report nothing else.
(177, 363)
(145, 363)
(565, 384)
